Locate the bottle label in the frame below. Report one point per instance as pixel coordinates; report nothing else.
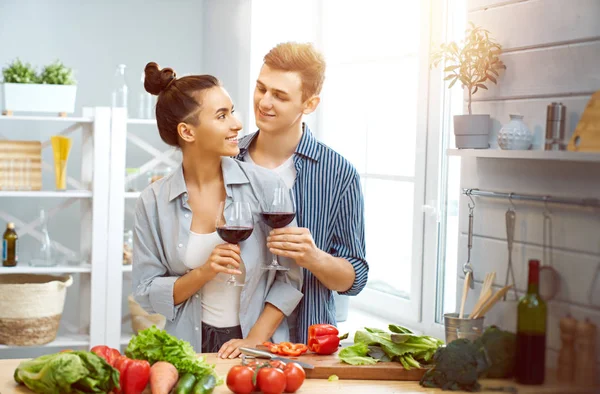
(4, 250)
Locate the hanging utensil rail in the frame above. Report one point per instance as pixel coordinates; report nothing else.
(582, 202)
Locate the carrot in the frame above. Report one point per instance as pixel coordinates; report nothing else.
(163, 377)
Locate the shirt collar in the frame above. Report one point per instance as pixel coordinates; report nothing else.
(232, 175)
(308, 146)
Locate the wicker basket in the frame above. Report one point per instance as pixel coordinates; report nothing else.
(20, 165)
(31, 307)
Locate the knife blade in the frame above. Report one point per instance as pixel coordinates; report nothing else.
(260, 354)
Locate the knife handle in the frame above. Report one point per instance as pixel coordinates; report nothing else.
(255, 353)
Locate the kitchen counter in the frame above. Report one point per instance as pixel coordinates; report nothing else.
(8, 385)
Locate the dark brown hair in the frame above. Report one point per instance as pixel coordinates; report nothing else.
(179, 99)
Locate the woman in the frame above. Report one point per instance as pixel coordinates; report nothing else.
(178, 259)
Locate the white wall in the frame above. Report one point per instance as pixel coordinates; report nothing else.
(93, 37)
(552, 51)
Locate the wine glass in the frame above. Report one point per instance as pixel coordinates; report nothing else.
(280, 212)
(234, 225)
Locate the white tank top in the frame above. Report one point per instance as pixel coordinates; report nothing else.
(287, 171)
(220, 303)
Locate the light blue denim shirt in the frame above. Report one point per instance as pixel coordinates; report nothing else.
(162, 227)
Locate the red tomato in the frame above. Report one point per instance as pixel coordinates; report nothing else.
(239, 379)
(107, 353)
(271, 380)
(294, 377)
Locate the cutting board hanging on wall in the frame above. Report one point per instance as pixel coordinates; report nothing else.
(586, 137)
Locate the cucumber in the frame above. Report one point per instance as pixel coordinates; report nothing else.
(185, 384)
(206, 385)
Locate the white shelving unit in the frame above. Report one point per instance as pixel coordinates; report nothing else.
(589, 157)
(92, 192)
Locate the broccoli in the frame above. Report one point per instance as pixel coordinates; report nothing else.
(499, 348)
(457, 367)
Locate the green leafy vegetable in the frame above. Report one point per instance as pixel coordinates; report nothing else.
(457, 367)
(155, 345)
(356, 354)
(68, 372)
(333, 378)
(500, 350)
(399, 345)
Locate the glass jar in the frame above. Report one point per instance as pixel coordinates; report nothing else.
(128, 247)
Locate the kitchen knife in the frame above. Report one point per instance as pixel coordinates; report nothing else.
(260, 354)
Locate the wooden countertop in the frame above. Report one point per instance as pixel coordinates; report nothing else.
(8, 385)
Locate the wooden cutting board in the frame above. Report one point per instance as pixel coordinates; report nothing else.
(325, 366)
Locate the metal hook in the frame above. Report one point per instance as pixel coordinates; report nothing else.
(510, 200)
(472, 203)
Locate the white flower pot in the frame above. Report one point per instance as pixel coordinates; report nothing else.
(29, 97)
(472, 131)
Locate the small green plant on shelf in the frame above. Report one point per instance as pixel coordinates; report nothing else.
(19, 72)
(472, 65)
(57, 74)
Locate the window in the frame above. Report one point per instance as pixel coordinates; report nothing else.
(386, 112)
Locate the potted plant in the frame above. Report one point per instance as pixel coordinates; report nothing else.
(53, 90)
(473, 65)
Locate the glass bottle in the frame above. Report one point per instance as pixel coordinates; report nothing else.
(9, 246)
(120, 90)
(43, 256)
(531, 331)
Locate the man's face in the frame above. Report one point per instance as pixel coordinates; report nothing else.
(278, 100)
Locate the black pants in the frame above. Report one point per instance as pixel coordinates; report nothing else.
(214, 337)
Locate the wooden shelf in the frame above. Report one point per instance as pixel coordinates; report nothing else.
(589, 157)
(47, 118)
(47, 193)
(66, 341)
(23, 268)
(141, 121)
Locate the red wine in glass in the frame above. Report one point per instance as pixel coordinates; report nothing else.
(234, 234)
(278, 219)
(280, 212)
(234, 225)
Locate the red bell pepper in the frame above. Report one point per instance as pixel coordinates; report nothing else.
(323, 339)
(134, 375)
(107, 353)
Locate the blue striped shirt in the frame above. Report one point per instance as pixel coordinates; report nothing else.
(329, 202)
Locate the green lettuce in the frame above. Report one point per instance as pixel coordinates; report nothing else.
(153, 345)
(356, 354)
(68, 372)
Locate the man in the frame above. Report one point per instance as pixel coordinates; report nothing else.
(329, 242)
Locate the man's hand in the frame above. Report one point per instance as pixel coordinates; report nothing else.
(296, 243)
(230, 349)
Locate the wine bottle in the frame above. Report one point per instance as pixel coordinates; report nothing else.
(531, 331)
(9, 246)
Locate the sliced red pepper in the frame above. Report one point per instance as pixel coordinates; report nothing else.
(268, 344)
(274, 349)
(286, 351)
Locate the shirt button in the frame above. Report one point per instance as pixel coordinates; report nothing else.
(196, 328)
(196, 296)
(187, 215)
(180, 245)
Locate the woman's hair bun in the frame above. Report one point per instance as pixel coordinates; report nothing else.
(157, 80)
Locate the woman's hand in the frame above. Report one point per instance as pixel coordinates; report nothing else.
(231, 348)
(225, 258)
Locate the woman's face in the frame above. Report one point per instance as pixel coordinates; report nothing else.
(217, 127)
